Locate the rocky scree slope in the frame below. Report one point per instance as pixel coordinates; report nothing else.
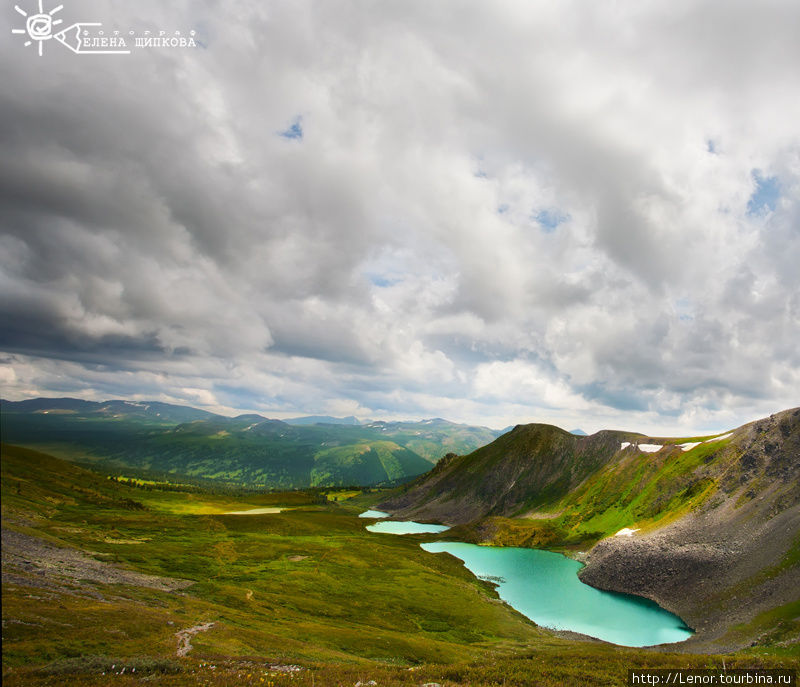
(731, 568)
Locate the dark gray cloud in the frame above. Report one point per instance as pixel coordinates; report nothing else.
(162, 236)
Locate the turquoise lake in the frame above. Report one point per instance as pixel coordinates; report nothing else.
(373, 514)
(544, 586)
(398, 527)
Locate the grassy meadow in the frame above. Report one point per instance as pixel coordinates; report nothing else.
(305, 588)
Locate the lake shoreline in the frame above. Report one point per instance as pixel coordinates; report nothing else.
(660, 626)
(634, 617)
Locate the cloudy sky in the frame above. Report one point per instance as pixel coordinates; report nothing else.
(585, 213)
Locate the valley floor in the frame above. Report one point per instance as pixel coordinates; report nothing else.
(108, 583)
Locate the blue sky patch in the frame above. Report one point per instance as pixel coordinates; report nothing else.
(381, 281)
(765, 197)
(295, 131)
(684, 309)
(550, 219)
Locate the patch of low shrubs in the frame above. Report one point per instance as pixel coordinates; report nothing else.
(136, 665)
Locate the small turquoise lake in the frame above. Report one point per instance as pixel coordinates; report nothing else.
(373, 514)
(544, 586)
(405, 527)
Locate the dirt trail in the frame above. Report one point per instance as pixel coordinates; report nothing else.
(185, 637)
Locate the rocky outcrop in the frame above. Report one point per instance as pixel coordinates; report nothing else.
(735, 558)
(32, 561)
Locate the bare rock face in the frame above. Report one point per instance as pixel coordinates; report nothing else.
(654, 566)
(724, 564)
(712, 578)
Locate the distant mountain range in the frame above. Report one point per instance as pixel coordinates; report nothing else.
(306, 451)
(323, 420)
(151, 410)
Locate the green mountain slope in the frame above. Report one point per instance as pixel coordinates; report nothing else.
(160, 438)
(712, 523)
(530, 466)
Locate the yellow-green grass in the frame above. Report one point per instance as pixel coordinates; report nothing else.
(140, 482)
(188, 503)
(342, 494)
(306, 585)
(365, 499)
(779, 628)
(642, 490)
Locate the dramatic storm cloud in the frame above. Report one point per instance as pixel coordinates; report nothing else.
(586, 213)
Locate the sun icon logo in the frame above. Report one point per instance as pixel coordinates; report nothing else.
(38, 27)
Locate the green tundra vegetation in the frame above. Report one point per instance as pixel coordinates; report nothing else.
(105, 579)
